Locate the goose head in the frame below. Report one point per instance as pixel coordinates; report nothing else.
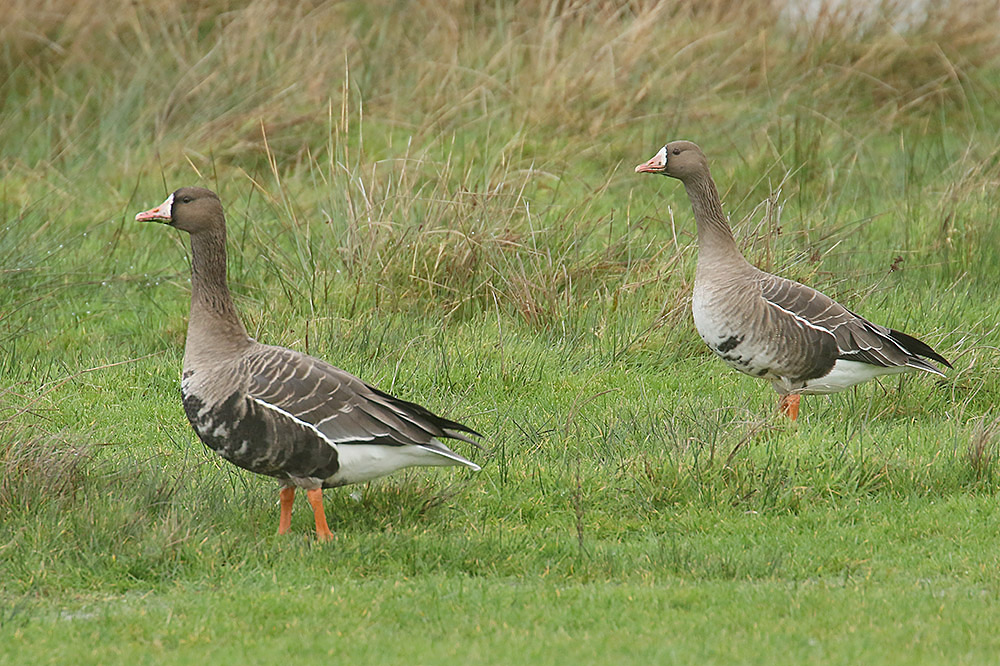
(677, 159)
(190, 209)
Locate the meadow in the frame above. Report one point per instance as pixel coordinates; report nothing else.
(439, 197)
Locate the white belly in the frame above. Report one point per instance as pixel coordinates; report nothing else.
(846, 374)
(364, 462)
(729, 339)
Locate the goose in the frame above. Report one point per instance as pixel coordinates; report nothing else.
(279, 412)
(770, 327)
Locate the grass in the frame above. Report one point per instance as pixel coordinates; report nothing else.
(440, 199)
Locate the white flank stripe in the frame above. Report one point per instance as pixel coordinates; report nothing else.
(799, 317)
(378, 468)
(296, 419)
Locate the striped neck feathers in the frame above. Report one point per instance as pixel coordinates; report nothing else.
(715, 237)
(214, 327)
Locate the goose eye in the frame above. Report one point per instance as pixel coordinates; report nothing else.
(186, 200)
(676, 151)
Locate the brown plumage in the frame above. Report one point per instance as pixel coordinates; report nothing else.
(279, 412)
(770, 327)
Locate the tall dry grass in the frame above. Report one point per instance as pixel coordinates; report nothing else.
(463, 155)
(209, 75)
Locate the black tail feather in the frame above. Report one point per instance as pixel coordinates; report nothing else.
(917, 347)
(421, 411)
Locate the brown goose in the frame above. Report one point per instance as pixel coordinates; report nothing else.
(276, 411)
(770, 327)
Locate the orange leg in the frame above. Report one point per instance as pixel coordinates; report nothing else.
(323, 532)
(789, 405)
(287, 496)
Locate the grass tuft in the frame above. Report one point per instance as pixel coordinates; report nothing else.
(39, 468)
(983, 450)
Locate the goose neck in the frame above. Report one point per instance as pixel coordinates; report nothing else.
(715, 237)
(214, 326)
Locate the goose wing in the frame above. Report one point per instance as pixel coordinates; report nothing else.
(856, 338)
(343, 408)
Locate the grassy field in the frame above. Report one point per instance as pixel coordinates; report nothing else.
(439, 198)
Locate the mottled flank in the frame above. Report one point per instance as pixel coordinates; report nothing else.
(729, 343)
(246, 435)
(736, 361)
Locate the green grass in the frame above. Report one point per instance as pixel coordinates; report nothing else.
(439, 198)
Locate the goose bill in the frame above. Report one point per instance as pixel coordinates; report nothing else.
(159, 214)
(655, 165)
